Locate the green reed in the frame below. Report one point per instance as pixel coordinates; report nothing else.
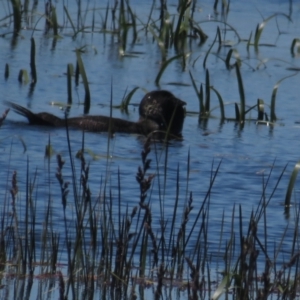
(23, 76)
(70, 20)
(210, 48)
(260, 27)
(17, 13)
(204, 98)
(273, 98)
(169, 30)
(70, 71)
(290, 188)
(241, 118)
(102, 244)
(126, 100)
(295, 46)
(6, 71)
(204, 106)
(81, 70)
(164, 66)
(32, 62)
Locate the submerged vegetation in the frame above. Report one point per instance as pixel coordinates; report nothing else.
(99, 245)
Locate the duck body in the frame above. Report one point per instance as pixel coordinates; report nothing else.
(159, 110)
(106, 124)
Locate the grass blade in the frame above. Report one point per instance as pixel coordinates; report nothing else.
(207, 53)
(54, 21)
(164, 66)
(126, 100)
(219, 37)
(17, 12)
(201, 101)
(199, 94)
(295, 44)
(6, 72)
(225, 24)
(273, 97)
(160, 44)
(69, 82)
(133, 21)
(182, 25)
(207, 92)
(242, 94)
(87, 98)
(237, 112)
(292, 181)
(70, 20)
(261, 26)
(220, 290)
(203, 37)
(222, 110)
(228, 57)
(260, 109)
(32, 61)
(23, 76)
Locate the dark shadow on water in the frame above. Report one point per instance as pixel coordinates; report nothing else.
(54, 42)
(238, 128)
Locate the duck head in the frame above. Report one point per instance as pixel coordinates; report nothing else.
(165, 109)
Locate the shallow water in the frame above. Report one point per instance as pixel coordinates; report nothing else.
(247, 155)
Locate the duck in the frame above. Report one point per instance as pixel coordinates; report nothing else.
(163, 108)
(159, 110)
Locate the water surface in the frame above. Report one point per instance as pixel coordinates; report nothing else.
(247, 154)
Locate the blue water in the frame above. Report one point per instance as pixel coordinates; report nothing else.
(246, 155)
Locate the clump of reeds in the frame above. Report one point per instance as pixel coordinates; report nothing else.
(102, 243)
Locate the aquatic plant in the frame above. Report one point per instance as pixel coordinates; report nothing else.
(17, 13)
(102, 241)
(81, 70)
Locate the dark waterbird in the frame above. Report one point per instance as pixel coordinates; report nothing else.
(164, 109)
(159, 111)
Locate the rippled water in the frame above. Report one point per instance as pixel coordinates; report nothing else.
(247, 155)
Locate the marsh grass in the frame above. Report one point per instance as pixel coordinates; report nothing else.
(126, 100)
(23, 76)
(273, 97)
(241, 109)
(260, 27)
(54, 21)
(6, 71)
(17, 14)
(70, 71)
(164, 66)
(290, 189)
(32, 62)
(121, 249)
(81, 70)
(295, 47)
(241, 113)
(169, 30)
